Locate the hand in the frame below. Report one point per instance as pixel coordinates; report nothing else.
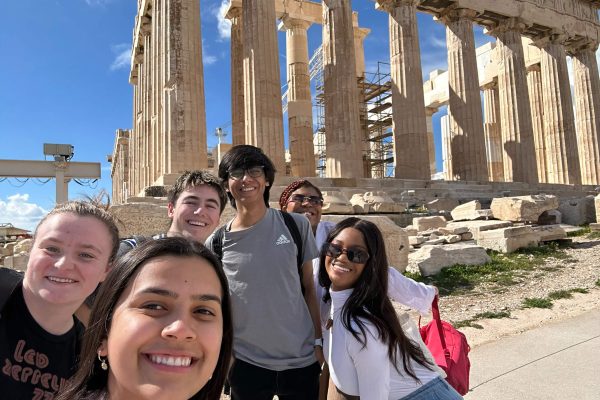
(320, 356)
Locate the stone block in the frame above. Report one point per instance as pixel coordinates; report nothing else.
(381, 202)
(577, 211)
(359, 205)
(424, 223)
(508, 240)
(335, 202)
(18, 262)
(9, 246)
(451, 238)
(411, 230)
(597, 207)
(595, 226)
(466, 211)
(550, 217)
(454, 231)
(396, 239)
(475, 227)
(140, 218)
(522, 208)
(430, 260)
(445, 204)
(23, 246)
(416, 240)
(550, 232)
(466, 236)
(434, 241)
(6, 251)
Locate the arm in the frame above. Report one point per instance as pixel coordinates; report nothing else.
(408, 292)
(310, 297)
(372, 366)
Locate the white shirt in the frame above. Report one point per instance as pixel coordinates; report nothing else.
(365, 371)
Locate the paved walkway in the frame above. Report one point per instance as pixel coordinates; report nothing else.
(556, 361)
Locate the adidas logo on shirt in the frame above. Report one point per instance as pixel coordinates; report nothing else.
(282, 240)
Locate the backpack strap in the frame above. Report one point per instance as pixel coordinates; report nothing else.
(295, 232)
(216, 243)
(9, 280)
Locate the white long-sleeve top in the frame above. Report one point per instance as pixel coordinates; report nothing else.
(401, 289)
(365, 371)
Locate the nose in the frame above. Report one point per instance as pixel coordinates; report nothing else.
(179, 329)
(199, 210)
(63, 262)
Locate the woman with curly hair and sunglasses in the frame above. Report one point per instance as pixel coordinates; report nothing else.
(368, 353)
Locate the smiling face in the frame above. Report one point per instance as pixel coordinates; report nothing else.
(311, 211)
(69, 257)
(248, 190)
(196, 212)
(342, 272)
(166, 331)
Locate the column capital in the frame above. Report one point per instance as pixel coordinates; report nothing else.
(491, 85)
(453, 14)
(552, 37)
(429, 111)
(509, 24)
(534, 68)
(390, 5)
(288, 22)
(360, 32)
(233, 12)
(583, 45)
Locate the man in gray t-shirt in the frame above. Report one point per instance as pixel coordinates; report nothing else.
(277, 334)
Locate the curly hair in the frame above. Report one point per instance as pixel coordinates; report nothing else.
(292, 187)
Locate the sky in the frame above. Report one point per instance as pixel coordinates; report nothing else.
(64, 79)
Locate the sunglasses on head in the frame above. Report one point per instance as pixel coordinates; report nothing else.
(354, 255)
(299, 198)
(253, 172)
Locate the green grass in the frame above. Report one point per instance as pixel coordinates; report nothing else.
(504, 269)
(485, 315)
(579, 290)
(597, 282)
(560, 294)
(582, 232)
(594, 235)
(537, 302)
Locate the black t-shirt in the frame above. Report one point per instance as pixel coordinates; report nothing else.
(34, 364)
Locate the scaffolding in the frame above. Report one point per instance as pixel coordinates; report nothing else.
(375, 118)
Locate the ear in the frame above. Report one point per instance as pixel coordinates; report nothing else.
(267, 184)
(170, 209)
(103, 348)
(106, 270)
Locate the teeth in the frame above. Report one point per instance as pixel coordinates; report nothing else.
(340, 268)
(247, 189)
(197, 223)
(60, 280)
(171, 361)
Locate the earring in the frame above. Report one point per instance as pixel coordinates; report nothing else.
(103, 363)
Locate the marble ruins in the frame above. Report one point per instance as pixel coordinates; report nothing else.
(511, 116)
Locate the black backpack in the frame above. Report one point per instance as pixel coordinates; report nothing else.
(9, 280)
(217, 241)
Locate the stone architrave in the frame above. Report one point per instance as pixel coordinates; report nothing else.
(476, 227)
(550, 232)
(534, 86)
(493, 133)
(508, 240)
(515, 111)
(184, 123)
(522, 208)
(587, 111)
(262, 84)
(430, 260)
(300, 119)
(408, 114)
(342, 122)
(238, 131)
(464, 106)
(562, 160)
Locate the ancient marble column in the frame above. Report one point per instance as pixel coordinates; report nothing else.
(429, 111)
(493, 132)
(587, 111)
(300, 128)
(515, 112)
(342, 125)
(238, 135)
(534, 87)
(446, 146)
(359, 52)
(408, 114)
(468, 159)
(262, 84)
(184, 124)
(559, 127)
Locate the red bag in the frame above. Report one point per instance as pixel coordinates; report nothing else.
(449, 348)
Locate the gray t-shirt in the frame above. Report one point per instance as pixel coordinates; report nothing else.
(271, 323)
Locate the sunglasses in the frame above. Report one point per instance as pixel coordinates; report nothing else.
(354, 255)
(313, 200)
(253, 172)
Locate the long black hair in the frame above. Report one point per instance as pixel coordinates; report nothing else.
(369, 300)
(90, 381)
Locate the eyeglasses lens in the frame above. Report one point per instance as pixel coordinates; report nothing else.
(314, 200)
(354, 255)
(253, 172)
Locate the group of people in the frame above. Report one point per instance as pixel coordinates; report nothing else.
(276, 302)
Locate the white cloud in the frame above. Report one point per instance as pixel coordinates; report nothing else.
(207, 58)
(123, 56)
(18, 211)
(439, 43)
(223, 24)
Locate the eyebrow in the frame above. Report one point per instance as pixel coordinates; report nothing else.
(169, 293)
(193, 197)
(84, 246)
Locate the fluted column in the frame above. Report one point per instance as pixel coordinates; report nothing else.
(408, 114)
(534, 87)
(183, 91)
(234, 14)
(429, 111)
(468, 161)
(342, 125)
(493, 132)
(559, 127)
(515, 112)
(262, 84)
(446, 146)
(299, 100)
(587, 111)
(359, 52)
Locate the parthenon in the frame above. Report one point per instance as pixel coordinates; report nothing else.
(511, 115)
